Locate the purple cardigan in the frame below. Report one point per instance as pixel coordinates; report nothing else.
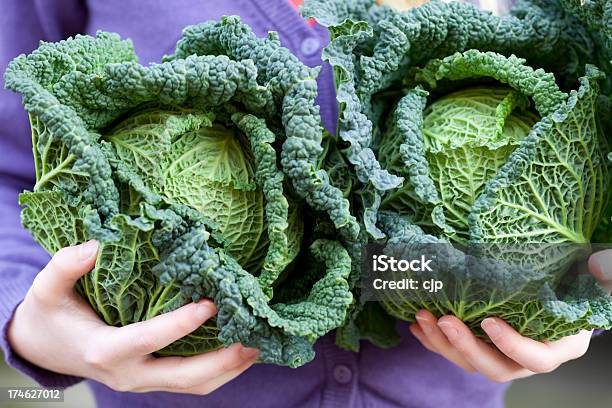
(406, 376)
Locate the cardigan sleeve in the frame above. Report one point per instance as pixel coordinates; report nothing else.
(23, 23)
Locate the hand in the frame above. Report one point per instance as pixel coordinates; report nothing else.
(513, 356)
(55, 329)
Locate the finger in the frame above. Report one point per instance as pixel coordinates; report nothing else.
(600, 266)
(571, 347)
(181, 373)
(58, 278)
(417, 332)
(205, 388)
(221, 380)
(534, 355)
(427, 323)
(484, 358)
(149, 336)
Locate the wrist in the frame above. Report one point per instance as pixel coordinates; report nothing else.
(14, 332)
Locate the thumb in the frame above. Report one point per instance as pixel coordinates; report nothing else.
(60, 275)
(600, 266)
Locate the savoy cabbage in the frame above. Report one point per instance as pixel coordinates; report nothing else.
(195, 175)
(468, 129)
(209, 174)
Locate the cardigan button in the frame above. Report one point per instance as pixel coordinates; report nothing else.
(343, 374)
(310, 46)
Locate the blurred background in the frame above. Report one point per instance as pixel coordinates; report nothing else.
(581, 383)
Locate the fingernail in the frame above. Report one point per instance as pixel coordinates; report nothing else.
(424, 324)
(449, 330)
(491, 327)
(600, 262)
(248, 353)
(88, 249)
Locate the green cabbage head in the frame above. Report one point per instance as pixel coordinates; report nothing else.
(494, 169)
(484, 136)
(197, 176)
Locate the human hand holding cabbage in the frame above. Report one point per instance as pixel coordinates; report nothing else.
(510, 356)
(56, 329)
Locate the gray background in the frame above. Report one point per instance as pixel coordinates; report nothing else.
(581, 383)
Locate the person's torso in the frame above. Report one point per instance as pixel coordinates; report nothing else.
(406, 376)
